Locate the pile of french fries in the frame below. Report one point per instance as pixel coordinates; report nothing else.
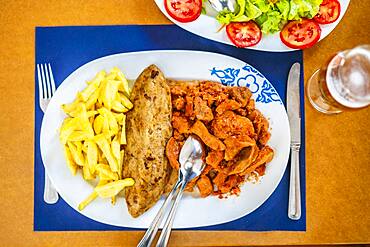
(94, 133)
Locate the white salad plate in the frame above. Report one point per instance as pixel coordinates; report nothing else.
(207, 26)
(193, 210)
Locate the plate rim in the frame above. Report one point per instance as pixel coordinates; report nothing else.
(332, 26)
(76, 71)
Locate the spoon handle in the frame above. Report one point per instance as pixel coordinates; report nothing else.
(152, 230)
(166, 231)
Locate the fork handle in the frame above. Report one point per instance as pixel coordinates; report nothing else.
(166, 231)
(294, 209)
(50, 194)
(152, 230)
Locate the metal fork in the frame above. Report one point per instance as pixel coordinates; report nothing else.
(46, 90)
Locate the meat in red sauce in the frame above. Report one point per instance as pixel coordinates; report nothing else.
(234, 132)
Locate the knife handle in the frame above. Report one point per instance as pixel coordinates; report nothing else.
(294, 209)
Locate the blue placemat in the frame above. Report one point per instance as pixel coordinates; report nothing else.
(67, 48)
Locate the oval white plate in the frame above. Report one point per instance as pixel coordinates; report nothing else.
(206, 26)
(193, 212)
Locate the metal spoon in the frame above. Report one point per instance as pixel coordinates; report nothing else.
(220, 5)
(191, 160)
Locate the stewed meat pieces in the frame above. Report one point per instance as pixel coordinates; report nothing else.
(211, 141)
(264, 156)
(180, 123)
(173, 152)
(205, 186)
(241, 95)
(234, 144)
(261, 125)
(231, 124)
(214, 158)
(227, 105)
(202, 110)
(178, 103)
(234, 133)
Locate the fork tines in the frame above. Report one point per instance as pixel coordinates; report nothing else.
(46, 81)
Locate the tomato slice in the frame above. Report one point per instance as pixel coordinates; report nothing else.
(300, 34)
(329, 12)
(244, 34)
(183, 10)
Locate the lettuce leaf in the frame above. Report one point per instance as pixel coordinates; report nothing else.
(270, 15)
(284, 7)
(252, 11)
(315, 6)
(303, 8)
(263, 5)
(226, 16)
(270, 22)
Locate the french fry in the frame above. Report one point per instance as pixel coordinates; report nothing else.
(93, 133)
(91, 120)
(99, 76)
(91, 88)
(119, 117)
(122, 152)
(92, 156)
(77, 110)
(123, 87)
(99, 101)
(101, 158)
(81, 120)
(84, 150)
(112, 123)
(91, 114)
(112, 75)
(118, 107)
(126, 102)
(70, 162)
(115, 146)
(77, 156)
(79, 147)
(77, 135)
(105, 147)
(105, 128)
(98, 124)
(90, 198)
(123, 131)
(67, 122)
(71, 107)
(105, 172)
(108, 93)
(93, 99)
(68, 126)
(87, 175)
(113, 188)
(85, 123)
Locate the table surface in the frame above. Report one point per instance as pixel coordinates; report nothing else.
(338, 147)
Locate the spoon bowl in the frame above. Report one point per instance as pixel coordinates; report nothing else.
(220, 5)
(191, 158)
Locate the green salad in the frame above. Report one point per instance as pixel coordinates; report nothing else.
(270, 15)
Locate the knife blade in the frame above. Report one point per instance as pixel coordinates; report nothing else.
(294, 115)
(293, 103)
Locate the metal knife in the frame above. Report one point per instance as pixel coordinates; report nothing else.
(294, 114)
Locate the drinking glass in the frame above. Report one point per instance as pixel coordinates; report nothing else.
(343, 84)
